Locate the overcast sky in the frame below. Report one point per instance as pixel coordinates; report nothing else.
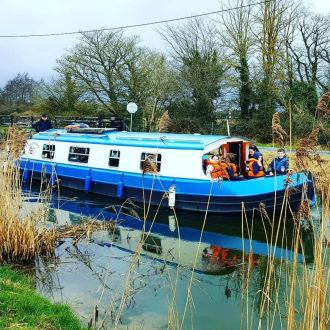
(37, 56)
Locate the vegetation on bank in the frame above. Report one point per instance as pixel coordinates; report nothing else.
(23, 308)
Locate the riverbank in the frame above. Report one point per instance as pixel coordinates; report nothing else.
(22, 307)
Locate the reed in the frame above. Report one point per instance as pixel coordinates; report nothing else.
(25, 236)
(295, 293)
(20, 238)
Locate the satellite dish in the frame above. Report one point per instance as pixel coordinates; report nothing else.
(132, 107)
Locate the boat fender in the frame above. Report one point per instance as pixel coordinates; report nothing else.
(26, 175)
(53, 180)
(120, 188)
(87, 185)
(171, 223)
(171, 196)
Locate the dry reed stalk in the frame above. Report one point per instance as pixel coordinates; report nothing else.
(323, 105)
(307, 151)
(279, 134)
(164, 123)
(306, 285)
(149, 165)
(23, 238)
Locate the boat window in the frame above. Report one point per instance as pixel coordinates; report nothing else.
(48, 151)
(114, 158)
(150, 163)
(152, 244)
(78, 154)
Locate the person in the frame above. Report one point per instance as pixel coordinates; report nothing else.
(254, 167)
(43, 124)
(231, 167)
(280, 164)
(76, 125)
(215, 169)
(254, 152)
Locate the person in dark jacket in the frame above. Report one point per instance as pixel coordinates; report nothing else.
(254, 152)
(280, 164)
(43, 124)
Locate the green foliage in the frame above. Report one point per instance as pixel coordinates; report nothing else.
(303, 95)
(245, 90)
(182, 125)
(265, 108)
(203, 73)
(22, 307)
(302, 123)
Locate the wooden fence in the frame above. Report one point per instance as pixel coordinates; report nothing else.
(61, 121)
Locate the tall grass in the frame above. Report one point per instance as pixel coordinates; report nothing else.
(21, 240)
(295, 294)
(24, 236)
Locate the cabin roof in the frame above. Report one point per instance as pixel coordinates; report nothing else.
(134, 139)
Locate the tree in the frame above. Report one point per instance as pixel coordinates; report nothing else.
(106, 67)
(62, 95)
(160, 91)
(197, 58)
(272, 21)
(310, 50)
(112, 70)
(18, 91)
(237, 37)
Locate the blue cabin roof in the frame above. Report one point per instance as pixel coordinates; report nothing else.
(134, 139)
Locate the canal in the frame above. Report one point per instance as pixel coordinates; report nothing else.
(188, 271)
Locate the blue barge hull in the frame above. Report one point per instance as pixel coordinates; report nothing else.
(221, 197)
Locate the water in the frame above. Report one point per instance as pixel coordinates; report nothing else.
(94, 274)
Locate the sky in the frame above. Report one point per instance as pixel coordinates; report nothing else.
(37, 56)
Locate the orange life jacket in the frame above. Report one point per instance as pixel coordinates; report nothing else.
(250, 171)
(219, 170)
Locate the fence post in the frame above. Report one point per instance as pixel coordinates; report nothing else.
(11, 120)
(99, 121)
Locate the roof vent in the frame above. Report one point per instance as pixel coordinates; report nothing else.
(91, 130)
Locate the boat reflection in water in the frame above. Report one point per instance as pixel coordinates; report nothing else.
(220, 249)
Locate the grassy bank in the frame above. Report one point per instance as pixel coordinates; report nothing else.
(21, 307)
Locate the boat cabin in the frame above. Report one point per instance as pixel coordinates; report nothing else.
(173, 155)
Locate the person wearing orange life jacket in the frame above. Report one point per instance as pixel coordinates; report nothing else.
(216, 170)
(232, 168)
(255, 167)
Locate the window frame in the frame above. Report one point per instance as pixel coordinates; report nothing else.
(157, 161)
(114, 158)
(50, 152)
(79, 154)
